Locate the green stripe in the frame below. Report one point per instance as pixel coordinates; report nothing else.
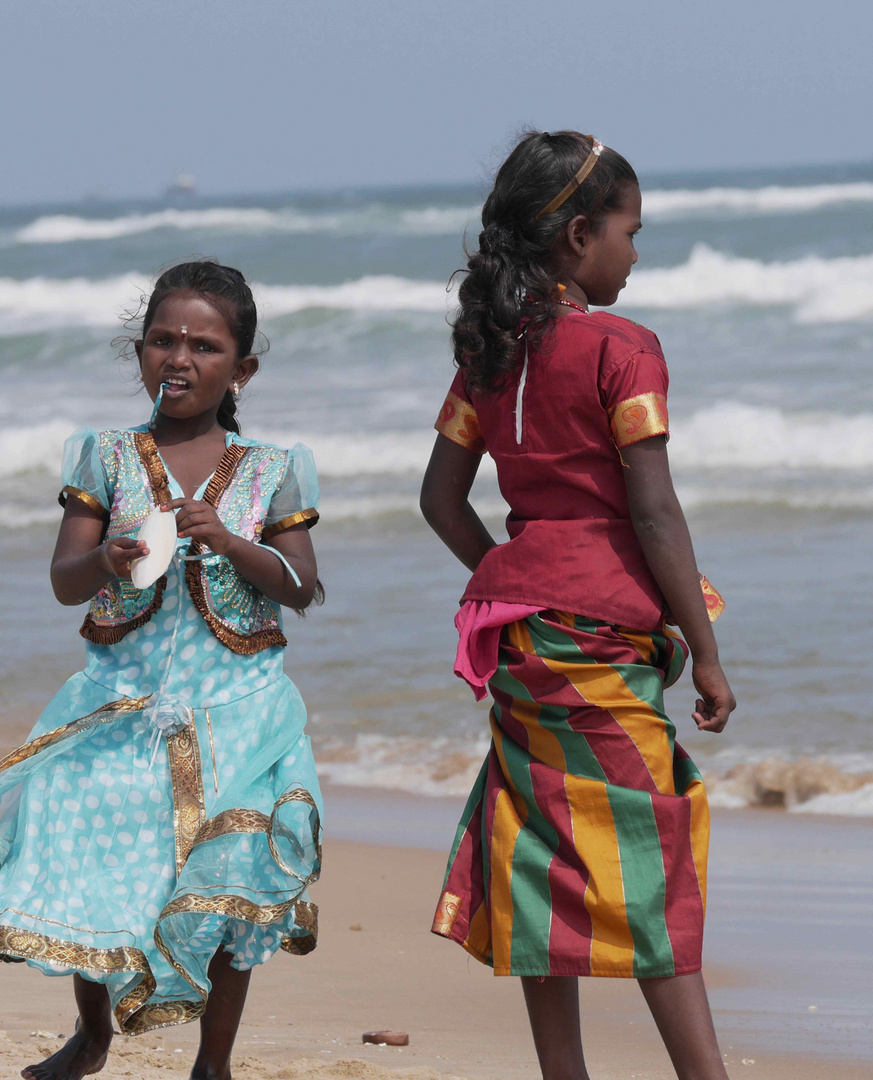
(642, 872)
(685, 772)
(477, 796)
(535, 847)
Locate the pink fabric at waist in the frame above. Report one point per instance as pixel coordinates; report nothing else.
(479, 623)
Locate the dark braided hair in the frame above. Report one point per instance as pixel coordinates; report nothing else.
(226, 289)
(509, 282)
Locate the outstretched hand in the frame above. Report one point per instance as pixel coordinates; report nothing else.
(713, 708)
(119, 554)
(199, 521)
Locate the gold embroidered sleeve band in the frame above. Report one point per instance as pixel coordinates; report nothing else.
(458, 421)
(639, 418)
(715, 602)
(309, 517)
(73, 492)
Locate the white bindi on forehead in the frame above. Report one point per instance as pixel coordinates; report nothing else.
(184, 330)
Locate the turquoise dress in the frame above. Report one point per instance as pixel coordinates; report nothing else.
(166, 804)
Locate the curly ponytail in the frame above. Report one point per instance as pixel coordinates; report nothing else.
(509, 284)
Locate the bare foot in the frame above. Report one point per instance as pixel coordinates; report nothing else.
(79, 1056)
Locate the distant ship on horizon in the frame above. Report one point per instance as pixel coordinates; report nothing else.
(183, 184)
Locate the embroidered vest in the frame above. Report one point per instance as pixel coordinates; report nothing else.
(240, 617)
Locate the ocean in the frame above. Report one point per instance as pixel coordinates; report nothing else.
(760, 287)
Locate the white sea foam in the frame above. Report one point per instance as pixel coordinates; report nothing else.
(773, 199)
(41, 303)
(360, 220)
(817, 289)
(813, 288)
(448, 767)
(751, 437)
(380, 217)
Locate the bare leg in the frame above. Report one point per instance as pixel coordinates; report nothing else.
(220, 1022)
(553, 1009)
(681, 1010)
(85, 1052)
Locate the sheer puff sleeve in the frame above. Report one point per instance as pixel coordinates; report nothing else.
(83, 475)
(634, 393)
(296, 499)
(457, 419)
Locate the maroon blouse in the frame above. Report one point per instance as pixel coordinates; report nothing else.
(555, 431)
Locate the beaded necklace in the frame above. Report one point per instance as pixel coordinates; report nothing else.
(576, 307)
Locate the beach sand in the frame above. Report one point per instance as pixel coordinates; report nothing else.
(377, 967)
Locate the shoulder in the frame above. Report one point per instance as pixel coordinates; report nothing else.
(262, 449)
(613, 332)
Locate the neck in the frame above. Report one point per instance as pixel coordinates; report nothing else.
(575, 295)
(169, 430)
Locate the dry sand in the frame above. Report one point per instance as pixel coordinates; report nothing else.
(376, 967)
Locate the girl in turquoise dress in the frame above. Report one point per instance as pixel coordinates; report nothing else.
(160, 829)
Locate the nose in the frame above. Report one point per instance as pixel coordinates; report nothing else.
(636, 258)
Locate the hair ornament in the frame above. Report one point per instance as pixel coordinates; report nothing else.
(577, 181)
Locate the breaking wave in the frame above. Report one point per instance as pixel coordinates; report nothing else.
(818, 290)
(773, 199)
(375, 218)
(379, 216)
(814, 288)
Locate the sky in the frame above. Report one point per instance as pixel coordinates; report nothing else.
(114, 97)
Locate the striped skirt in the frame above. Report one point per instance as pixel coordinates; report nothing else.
(582, 849)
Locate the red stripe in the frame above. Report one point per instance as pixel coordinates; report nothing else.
(684, 908)
(465, 878)
(570, 930)
(616, 752)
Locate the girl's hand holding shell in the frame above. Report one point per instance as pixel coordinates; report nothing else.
(120, 554)
(199, 521)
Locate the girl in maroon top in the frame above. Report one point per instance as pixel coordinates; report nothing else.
(583, 846)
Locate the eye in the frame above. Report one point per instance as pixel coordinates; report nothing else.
(204, 346)
(161, 342)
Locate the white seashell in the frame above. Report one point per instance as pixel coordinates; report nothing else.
(159, 533)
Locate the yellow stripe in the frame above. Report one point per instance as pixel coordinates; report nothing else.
(602, 686)
(504, 834)
(643, 643)
(478, 938)
(699, 833)
(612, 944)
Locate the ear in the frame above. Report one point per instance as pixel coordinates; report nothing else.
(578, 234)
(137, 348)
(244, 369)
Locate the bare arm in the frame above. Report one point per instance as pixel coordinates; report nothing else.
(82, 564)
(663, 534)
(445, 502)
(199, 521)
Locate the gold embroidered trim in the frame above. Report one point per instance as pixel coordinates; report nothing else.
(306, 917)
(154, 467)
(232, 821)
(244, 644)
(297, 795)
(309, 516)
(29, 945)
(99, 716)
(85, 497)
(715, 602)
(639, 418)
(111, 635)
(446, 914)
(186, 777)
(212, 749)
(458, 421)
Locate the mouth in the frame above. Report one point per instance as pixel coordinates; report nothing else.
(175, 386)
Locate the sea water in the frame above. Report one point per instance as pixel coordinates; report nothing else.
(760, 287)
